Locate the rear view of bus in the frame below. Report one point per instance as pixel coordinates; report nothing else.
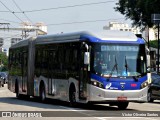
(118, 69)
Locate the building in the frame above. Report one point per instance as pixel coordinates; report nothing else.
(152, 32)
(15, 40)
(121, 27)
(41, 26)
(11, 36)
(1, 42)
(33, 30)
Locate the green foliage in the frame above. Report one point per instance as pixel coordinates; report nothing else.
(3, 62)
(154, 43)
(139, 11)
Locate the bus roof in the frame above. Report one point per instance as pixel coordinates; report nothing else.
(109, 36)
(20, 44)
(115, 35)
(104, 36)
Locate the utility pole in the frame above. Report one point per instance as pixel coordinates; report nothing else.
(158, 50)
(148, 39)
(5, 25)
(21, 33)
(156, 20)
(24, 30)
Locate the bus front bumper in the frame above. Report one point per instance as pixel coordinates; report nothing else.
(98, 94)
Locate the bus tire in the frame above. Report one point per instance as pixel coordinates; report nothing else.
(123, 105)
(72, 96)
(149, 99)
(42, 93)
(2, 84)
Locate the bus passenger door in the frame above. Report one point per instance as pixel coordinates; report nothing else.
(51, 81)
(24, 71)
(83, 77)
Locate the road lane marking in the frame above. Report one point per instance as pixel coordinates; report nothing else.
(77, 110)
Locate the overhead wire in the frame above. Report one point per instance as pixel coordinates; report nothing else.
(11, 11)
(5, 11)
(9, 21)
(22, 11)
(69, 6)
(103, 20)
(86, 4)
(79, 22)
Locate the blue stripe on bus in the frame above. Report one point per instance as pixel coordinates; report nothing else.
(94, 39)
(119, 83)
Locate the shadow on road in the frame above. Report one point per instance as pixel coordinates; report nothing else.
(54, 104)
(50, 104)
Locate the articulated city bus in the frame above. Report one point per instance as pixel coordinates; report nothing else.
(81, 67)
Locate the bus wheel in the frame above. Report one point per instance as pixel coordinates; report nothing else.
(149, 99)
(2, 85)
(122, 105)
(42, 93)
(72, 97)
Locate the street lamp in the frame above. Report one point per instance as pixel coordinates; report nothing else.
(156, 20)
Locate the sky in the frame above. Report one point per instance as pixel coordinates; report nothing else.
(86, 15)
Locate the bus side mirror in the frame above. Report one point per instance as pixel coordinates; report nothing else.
(148, 61)
(148, 69)
(86, 58)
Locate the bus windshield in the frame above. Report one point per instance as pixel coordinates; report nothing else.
(119, 60)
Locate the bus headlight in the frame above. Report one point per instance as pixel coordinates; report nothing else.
(96, 83)
(144, 84)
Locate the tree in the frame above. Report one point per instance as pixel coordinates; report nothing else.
(154, 43)
(3, 62)
(139, 11)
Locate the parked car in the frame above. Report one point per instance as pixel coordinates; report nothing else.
(154, 88)
(4, 76)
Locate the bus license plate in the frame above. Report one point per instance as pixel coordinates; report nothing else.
(122, 98)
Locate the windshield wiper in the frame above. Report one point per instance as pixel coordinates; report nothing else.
(126, 65)
(114, 67)
(127, 68)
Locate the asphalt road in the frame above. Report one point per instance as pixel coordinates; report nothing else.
(33, 109)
